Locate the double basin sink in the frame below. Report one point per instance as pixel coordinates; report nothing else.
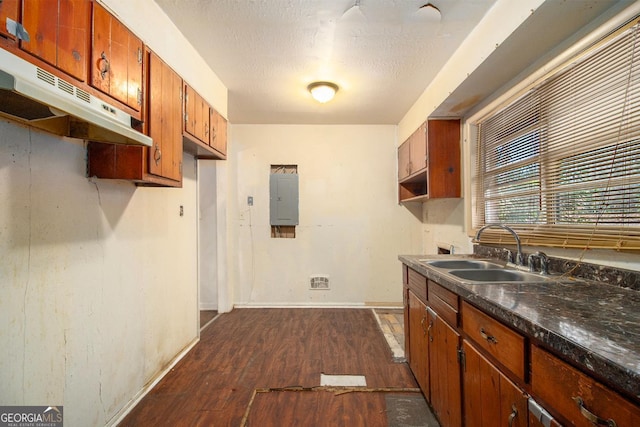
(481, 271)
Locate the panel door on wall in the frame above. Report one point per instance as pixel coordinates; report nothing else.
(59, 33)
(116, 59)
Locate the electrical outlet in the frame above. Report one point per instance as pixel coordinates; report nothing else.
(250, 200)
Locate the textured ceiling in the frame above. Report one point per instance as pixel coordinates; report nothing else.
(382, 53)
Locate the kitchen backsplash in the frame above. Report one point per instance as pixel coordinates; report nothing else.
(601, 273)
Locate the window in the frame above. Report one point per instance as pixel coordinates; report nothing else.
(561, 163)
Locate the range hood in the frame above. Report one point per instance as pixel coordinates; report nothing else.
(35, 96)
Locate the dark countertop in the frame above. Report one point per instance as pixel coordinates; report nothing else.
(595, 326)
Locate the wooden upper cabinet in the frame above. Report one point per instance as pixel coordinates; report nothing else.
(58, 33)
(412, 153)
(160, 164)
(197, 115)
(204, 130)
(116, 59)
(443, 158)
(218, 139)
(164, 120)
(8, 9)
(429, 162)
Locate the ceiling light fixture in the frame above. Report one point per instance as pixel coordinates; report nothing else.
(323, 91)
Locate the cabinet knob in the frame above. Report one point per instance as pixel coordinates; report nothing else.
(103, 65)
(513, 415)
(157, 155)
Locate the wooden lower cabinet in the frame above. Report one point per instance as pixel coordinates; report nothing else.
(577, 397)
(419, 343)
(490, 398)
(445, 372)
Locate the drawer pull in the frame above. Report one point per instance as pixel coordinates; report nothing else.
(514, 414)
(593, 418)
(489, 338)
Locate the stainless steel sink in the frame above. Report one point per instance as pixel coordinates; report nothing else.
(460, 264)
(497, 275)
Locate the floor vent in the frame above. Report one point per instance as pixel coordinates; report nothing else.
(319, 282)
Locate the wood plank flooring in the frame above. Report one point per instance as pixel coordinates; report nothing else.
(270, 348)
(206, 316)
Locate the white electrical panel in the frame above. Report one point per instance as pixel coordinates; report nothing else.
(283, 205)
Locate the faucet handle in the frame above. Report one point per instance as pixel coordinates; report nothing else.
(544, 262)
(509, 255)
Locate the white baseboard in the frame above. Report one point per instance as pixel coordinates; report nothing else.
(116, 419)
(297, 305)
(208, 306)
(311, 305)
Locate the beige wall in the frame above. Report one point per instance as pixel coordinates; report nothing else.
(98, 279)
(351, 226)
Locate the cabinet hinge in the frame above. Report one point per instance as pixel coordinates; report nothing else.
(462, 359)
(139, 56)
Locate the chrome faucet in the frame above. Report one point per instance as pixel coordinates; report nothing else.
(544, 262)
(519, 256)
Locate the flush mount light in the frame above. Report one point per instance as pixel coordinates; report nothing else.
(322, 91)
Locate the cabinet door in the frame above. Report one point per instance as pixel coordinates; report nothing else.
(8, 9)
(218, 132)
(443, 158)
(446, 398)
(196, 119)
(116, 59)
(405, 301)
(165, 124)
(404, 160)
(59, 33)
(419, 149)
(490, 399)
(419, 343)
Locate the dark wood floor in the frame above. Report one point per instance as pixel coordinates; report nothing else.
(269, 348)
(206, 316)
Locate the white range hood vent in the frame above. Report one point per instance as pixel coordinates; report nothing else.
(39, 98)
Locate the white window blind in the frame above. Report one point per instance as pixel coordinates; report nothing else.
(561, 163)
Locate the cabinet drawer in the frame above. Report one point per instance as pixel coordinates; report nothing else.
(445, 295)
(444, 303)
(418, 284)
(562, 386)
(504, 344)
